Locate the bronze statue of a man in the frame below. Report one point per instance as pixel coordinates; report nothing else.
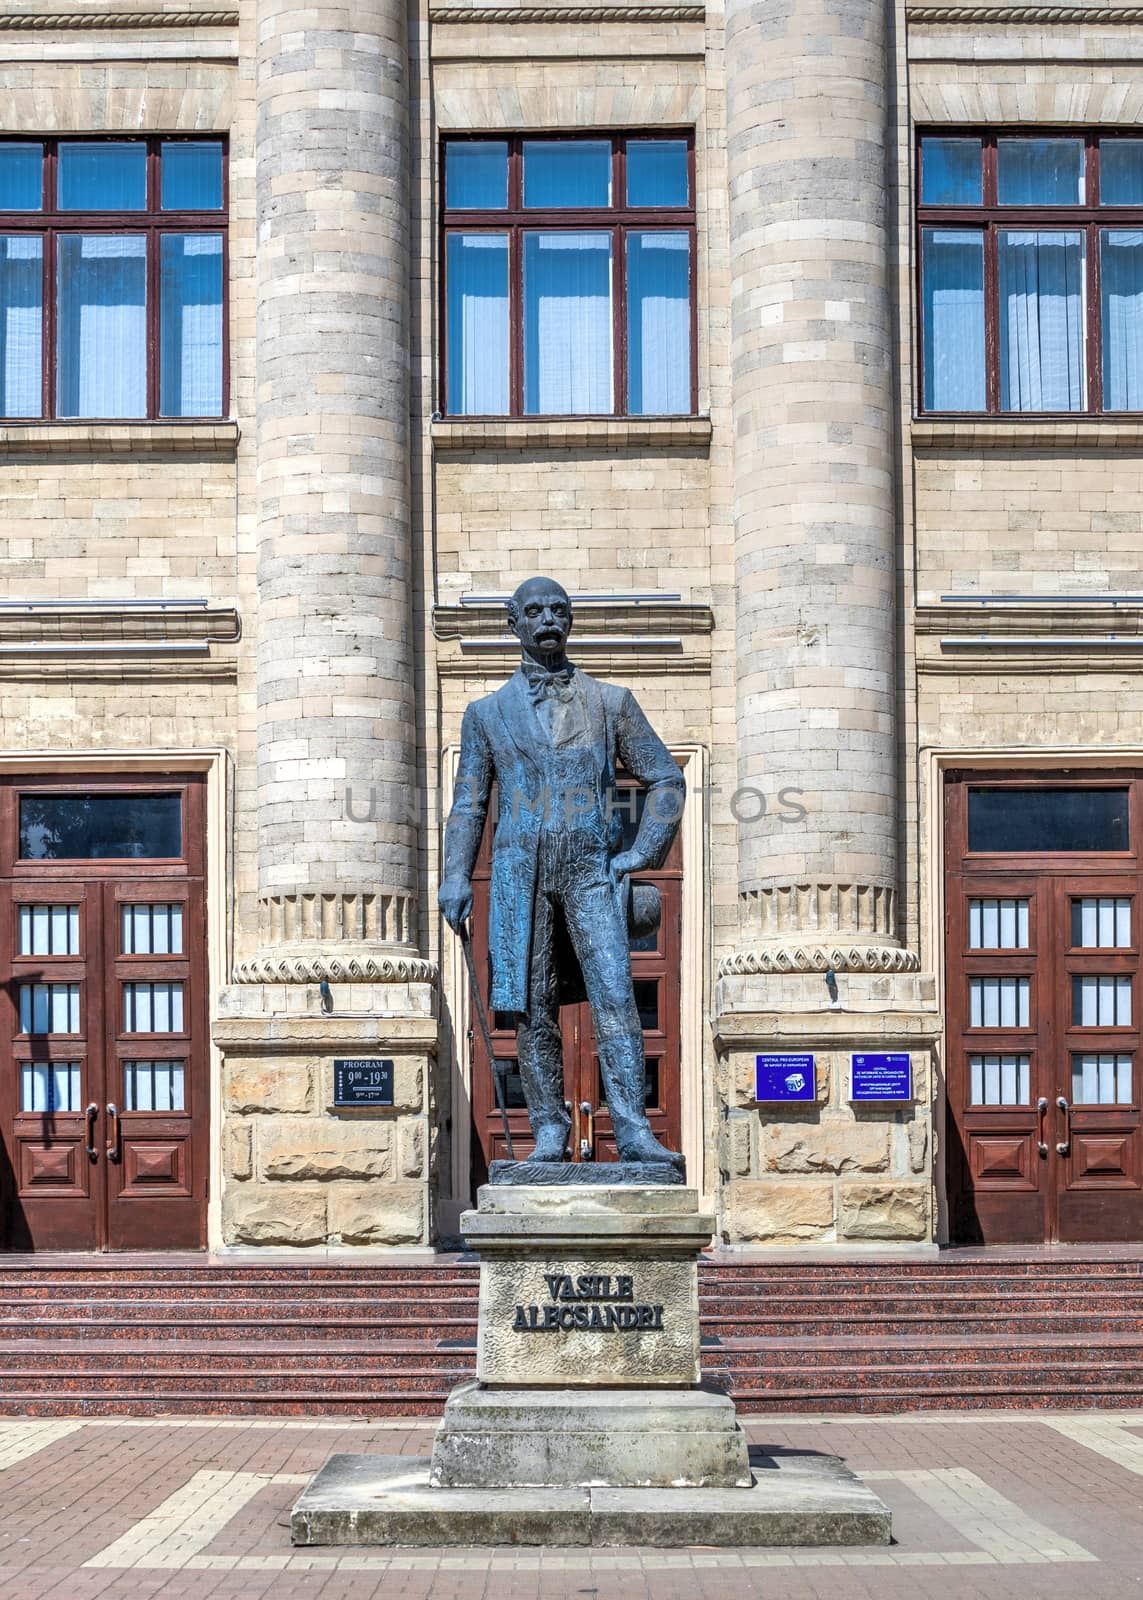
(552, 739)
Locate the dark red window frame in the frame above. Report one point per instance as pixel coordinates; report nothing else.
(989, 217)
(620, 220)
(51, 222)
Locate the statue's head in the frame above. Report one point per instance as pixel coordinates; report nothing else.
(540, 615)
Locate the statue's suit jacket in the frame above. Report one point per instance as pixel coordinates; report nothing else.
(502, 740)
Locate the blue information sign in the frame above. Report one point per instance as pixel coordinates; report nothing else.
(881, 1077)
(784, 1078)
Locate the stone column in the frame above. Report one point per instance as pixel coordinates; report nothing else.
(337, 801)
(337, 837)
(813, 409)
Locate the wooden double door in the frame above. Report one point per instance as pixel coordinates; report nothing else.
(1043, 992)
(103, 1081)
(655, 971)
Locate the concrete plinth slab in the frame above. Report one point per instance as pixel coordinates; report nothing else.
(795, 1499)
(573, 1438)
(585, 1174)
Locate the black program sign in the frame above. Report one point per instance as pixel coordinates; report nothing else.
(363, 1083)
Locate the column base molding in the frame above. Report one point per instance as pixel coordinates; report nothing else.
(814, 957)
(349, 963)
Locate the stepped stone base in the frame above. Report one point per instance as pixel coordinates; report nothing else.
(389, 1500)
(567, 1438)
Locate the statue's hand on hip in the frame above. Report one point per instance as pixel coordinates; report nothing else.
(455, 901)
(623, 864)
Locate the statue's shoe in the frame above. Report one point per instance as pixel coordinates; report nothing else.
(645, 1147)
(551, 1145)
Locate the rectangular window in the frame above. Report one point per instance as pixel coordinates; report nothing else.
(152, 1008)
(49, 931)
(49, 1086)
(1031, 269)
(1101, 1001)
(49, 1008)
(152, 930)
(1102, 1079)
(998, 1002)
(569, 276)
(998, 924)
(1101, 922)
(154, 1086)
(94, 827)
(112, 261)
(1066, 820)
(1000, 1080)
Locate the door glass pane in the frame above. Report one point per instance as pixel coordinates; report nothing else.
(152, 929)
(998, 924)
(49, 1008)
(951, 172)
(49, 931)
(50, 1086)
(477, 279)
(1047, 819)
(508, 1071)
(568, 357)
(998, 1002)
(102, 333)
(1101, 922)
(1042, 290)
(152, 1008)
(1101, 1079)
(647, 1002)
(154, 1086)
(103, 177)
(192, 175)
(190, 335)
(952, 272)
(476, 175)
(1101, 1001)
(567, 172)
(657, 172)
(1000, 1080)
(1121, 172)
(21, 326)
(1121, 291)
(21, 177)
(1040, 172)
(658, 324)
(92, 827)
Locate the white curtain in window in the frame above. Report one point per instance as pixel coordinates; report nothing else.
(477, 278)
(568, 353)
(102, 334)
(1041, 321)
(1121, 282)
(952, 270)
(21, 325)
(190, 299)
(658, 324)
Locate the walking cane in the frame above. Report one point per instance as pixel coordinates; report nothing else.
(486, 1035)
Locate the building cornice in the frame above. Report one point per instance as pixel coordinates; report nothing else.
(53, 21)
(495, 15)
(1024, 16)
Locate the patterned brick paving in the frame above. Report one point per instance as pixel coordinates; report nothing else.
(993, 1506)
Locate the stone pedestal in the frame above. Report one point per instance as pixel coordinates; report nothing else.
(587, 1424)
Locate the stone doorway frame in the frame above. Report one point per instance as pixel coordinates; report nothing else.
(218, 767)
(694, 992)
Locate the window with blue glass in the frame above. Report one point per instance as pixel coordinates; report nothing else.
(112, 274)
(1031, 269)
(569, 268)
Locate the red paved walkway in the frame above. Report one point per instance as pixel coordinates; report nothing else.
(1029, 1506)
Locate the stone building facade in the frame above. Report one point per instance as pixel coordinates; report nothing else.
(849, 610)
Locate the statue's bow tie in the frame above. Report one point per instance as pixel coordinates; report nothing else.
(557, 685)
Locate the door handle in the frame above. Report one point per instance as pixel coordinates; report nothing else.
(114, 1150)
(1042, 1111)
(89, 1116)
(1064, 1148)
(587, 1145)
